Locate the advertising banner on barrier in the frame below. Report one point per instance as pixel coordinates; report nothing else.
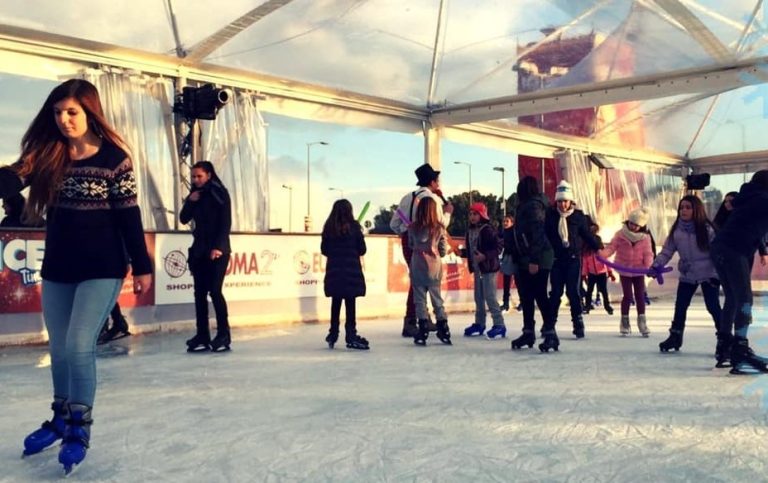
(456, 276)
(20, 282)
(261, 267)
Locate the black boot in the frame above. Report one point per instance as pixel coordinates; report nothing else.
(422, 333)
(357, 342)
(221, 342)
(550, 341)
(118, 330)
(723, 350)
(744, 360)
(332, 337)
(409, 327)
(199, 343)
(505, 305)
(673, 342)
(443, 332)
(528, 338)
(578, 327)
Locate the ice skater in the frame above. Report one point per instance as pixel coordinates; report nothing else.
(690, 236)
(91, 238)
(209, 207)
(428, 240)
(733, 251)
(482, 253)
(632, 246)
(343, 243)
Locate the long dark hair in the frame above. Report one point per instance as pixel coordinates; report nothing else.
(760, 178)
(723, 213)
(340, 221)
(527, 188)
(214, 185)
(44, 150)
(699, 218)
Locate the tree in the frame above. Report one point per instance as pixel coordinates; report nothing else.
(381, 221)
(460, 217)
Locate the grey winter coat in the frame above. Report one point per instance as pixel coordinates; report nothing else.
(426, 263)
(695, 265)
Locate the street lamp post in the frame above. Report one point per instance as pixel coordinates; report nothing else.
(341, 191)
(470, 178)
(308, 218)
(503, 200)
(290, 207)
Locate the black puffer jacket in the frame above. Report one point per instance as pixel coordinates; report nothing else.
(530, 240)
(747, 225)
(343, 271)
(212, 215)
(578, 234)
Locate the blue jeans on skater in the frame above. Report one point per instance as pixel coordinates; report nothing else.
(74, 314)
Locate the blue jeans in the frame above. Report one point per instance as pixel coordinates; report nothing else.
(74, 314)
(485, 294)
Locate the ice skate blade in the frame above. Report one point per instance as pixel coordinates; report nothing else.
(225, 348)
(747, 369)
(25, 455)
(198, 350)
(70, 470)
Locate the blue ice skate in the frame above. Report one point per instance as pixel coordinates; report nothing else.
(474, 330)
(77, 436)
(497, 332)
(50, 432)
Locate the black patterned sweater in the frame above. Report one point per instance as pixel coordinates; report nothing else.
(93, 229)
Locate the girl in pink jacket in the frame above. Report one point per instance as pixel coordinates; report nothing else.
(632, 246)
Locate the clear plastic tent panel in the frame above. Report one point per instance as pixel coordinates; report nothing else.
(385, 48)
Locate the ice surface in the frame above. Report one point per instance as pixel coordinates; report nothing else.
(283, 407)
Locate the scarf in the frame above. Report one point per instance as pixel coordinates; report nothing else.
(562, 226)
(687, 226)
(632, 236)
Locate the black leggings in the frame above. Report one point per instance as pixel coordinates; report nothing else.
(350, 325)
(209, 278)
(601, 280)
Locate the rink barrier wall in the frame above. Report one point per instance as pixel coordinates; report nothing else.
(272, 279)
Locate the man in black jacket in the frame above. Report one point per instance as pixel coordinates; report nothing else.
(567, 230)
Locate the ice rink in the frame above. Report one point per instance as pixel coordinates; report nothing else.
(283, 407)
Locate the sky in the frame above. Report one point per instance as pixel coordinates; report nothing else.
(368, 165)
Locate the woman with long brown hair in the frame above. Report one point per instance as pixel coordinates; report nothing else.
(428, 241)
(690, 236)
(80, 177)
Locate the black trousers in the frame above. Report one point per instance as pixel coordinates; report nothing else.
(735, 271)
(685, 291)
(533, 290)
(209, 279)
(566, 274)
(601, 280)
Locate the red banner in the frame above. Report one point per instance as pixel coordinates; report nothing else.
(22, 258)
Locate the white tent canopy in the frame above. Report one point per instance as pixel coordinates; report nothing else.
(691, 71)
